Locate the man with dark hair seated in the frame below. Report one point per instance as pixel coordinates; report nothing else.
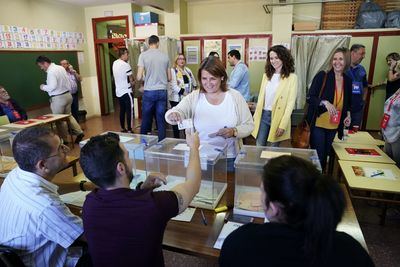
(34, 221)
(10, 107)
(125, 227)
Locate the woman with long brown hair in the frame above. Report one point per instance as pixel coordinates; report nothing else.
(276, 98)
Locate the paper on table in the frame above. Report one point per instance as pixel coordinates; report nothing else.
(273, 154)
(183, 147)
(185, 216)
(228, 228)
(2, 130)
(124, 139)
(75, 198)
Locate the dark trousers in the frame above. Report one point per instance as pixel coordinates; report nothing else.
(126, 107)
(321, 139)
(154, 103)
(175, 127)
(75, 106)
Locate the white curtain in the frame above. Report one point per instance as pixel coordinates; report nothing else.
(311, 54)
(134, 48)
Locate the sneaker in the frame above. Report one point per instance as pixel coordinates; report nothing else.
(130, 131)
(124, 131)
(79, 138)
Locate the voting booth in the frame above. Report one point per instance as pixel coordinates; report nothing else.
(249, 166)
(171, 157)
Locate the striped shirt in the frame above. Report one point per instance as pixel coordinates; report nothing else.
(34, 221)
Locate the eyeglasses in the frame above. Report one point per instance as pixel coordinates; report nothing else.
(61, 149)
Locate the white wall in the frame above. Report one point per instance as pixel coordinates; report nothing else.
(90, 84)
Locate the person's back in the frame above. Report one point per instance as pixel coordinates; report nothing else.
(125, 227)
(303, 208)
(277, 244)
(155, 64)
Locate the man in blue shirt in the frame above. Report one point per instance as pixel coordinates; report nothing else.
(239, 79)
(359, 85)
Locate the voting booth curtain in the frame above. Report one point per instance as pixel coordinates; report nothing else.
(311, 54)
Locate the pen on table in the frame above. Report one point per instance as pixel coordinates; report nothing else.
(203, 217)
(376, 174)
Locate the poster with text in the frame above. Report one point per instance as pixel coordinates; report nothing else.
(212, 46)
(258, 53)
(192, 55)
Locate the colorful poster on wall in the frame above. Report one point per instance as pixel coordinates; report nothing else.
(258, 53)
(192, 55)
(237, 47)
(212, 46)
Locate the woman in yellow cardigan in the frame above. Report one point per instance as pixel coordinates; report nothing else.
(276, 98)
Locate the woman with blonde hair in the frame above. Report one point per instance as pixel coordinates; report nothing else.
(276, 98)
(182, 83)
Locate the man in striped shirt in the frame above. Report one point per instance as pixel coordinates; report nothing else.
(34, 221)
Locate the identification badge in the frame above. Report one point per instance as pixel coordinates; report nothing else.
(357, 88)
(185, 124)
(336, 118)
(385, 120)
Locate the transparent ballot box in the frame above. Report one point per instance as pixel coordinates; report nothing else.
(136, 144)
(171, 157)
(249, 166)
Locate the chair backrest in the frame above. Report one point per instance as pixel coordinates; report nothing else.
(4, 120)
(8, 258)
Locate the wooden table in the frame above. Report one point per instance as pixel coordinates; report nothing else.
(196, 239)
(386, 189)
(342, 154)
(356, 138)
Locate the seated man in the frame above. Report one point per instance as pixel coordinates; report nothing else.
(125, 227)
(34, 221)
(10, 107)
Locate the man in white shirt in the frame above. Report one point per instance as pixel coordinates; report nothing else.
(75, 79)
(155, 65)
(58, 87)
(123, 78)
(34, 221)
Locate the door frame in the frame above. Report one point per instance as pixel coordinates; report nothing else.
(98, 41)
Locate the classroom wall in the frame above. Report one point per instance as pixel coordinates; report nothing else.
(90, 84)
(227, 16)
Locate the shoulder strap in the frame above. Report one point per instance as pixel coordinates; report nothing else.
(323, 85)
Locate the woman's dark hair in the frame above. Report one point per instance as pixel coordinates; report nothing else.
(286, 58)
(213, 54)
(310, 202)
(99, 158)
(213, 65)
(395, 56)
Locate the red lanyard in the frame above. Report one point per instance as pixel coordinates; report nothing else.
(394, 98)
(336, 94)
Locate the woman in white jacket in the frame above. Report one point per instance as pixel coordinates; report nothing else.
(182, 83)
(219, 114)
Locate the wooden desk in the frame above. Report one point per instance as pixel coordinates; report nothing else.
(342, 154)
(72, 161)
(356, 138)
(386, 188)
(18, 126)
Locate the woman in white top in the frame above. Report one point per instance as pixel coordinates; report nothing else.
(219, 114)
(276, 98)
(182, 83)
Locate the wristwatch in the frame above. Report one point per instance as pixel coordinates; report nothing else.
(235, 132)
(81, 187)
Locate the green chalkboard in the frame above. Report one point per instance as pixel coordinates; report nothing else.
(21, 77)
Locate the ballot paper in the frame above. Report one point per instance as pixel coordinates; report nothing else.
(185, 124)
(228, 228)
(75, 198)
(185, 216)
(273, 154)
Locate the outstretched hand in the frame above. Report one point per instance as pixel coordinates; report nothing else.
(154, 180)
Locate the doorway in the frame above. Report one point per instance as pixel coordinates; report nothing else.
(109, 35)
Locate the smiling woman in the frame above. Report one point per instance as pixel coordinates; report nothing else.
(329, 100)
(219, 114)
